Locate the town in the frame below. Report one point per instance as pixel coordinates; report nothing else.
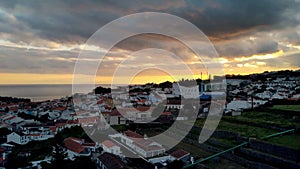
(64, 132)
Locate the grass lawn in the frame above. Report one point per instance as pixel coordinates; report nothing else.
(252, 131)
(230, 142)
(292, 141)
(223, 163)
(120, 128)
(244, 130)
(196, 151)
(265, 118)
(287, 107)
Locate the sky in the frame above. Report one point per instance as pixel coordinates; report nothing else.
(40, 41)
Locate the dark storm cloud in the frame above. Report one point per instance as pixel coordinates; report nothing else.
(61, 22)
(247, 47)
(71, 21)
(219, 17)
(14, 60)
(291, 37)
(75, 21)
(230, 23)
(292, 61)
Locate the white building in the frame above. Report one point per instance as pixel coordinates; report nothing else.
(238, 105)
(235, 82)
(111, 147)
(186, 92)
(221, 86)
(76, 147)
(144, 147)
(18, 138)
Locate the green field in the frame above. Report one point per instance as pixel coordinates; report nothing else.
(244, 130)
(256, 117)
(292, 141)
(248, 125)
(194, 150)
(227, 141)
(199, 153)
(287, 107)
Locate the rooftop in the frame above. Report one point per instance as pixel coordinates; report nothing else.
(179, 153)
(112, 161)
(73, 145)
(108, 143)
(132, 134)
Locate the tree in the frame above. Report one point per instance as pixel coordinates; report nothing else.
(177, 164)
(4, 132)
(82, 163)
(102, 90)
(59, 156)
(46, 165)
(44, 118)
(6, 110)
(166, 84)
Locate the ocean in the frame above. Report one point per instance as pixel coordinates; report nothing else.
(38, 92)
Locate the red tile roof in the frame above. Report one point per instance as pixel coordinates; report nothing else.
(147, 147)
(59, 108)
(105, 113)
(179, 153)
(11, 118)
(77, 139)
(132, 134)
(100, 102)
(53, 129)
(60, 124)
(2, 149)
(73, 145)
(88, 120)
(108, 143)
(13, 109)
(146, 144)
(141, 108)
(72, 122)
(166, 113)
(141, 142)
(174, 101)
(89, 144)
(142, 100)
(115, 112)
(111, 161)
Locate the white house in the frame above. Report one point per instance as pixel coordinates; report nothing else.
(75, 147)
(216, 86)
(18, 138)
(186, 92)
(238, 104)
(111, 147)
(144, 147)
(116, 119)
